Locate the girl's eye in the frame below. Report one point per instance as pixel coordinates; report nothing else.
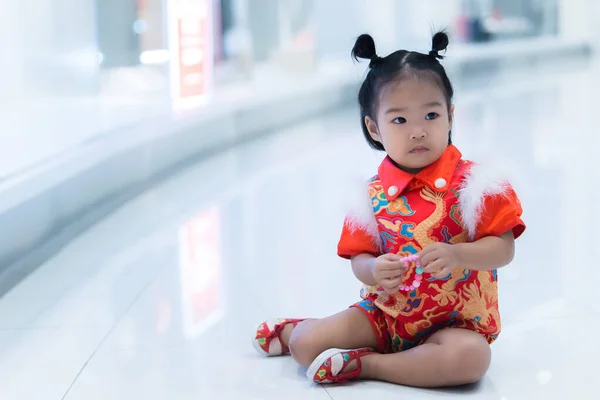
(399, 120)
(431, 116)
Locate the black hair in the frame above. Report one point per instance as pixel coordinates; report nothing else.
(395, 67)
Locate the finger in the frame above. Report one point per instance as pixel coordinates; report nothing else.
(429, 258)
(392, 265)
(392, 257)
(430, 248)
(434, 266)
(396, 259)
(395, 273)
(427, 249)
(391, 284)
(403, 259)
(442, 273)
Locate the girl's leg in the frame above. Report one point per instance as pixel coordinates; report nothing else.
(272, 336)
(348, 329)
(287, 331)
(450, 357)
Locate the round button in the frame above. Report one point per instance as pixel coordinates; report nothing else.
(393, 190)
(440, 183)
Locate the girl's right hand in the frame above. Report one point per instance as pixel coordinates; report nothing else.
(388, 271)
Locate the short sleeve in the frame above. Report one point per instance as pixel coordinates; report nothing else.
(356, 240)
(499, 214)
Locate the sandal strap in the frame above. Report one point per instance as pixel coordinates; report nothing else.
(355, 373)
(278, 328)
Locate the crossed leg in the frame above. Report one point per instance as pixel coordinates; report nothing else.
(450, 357)
(349, 329)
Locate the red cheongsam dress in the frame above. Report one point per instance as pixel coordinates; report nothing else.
(450, 201)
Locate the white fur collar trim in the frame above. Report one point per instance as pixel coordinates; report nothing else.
(362, 217)
(482, 181)
(360, 214)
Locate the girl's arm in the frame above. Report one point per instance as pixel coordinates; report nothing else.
(487, 253)
(363, 266)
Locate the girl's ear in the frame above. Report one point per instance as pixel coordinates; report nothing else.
(372, 128)
(451, 114)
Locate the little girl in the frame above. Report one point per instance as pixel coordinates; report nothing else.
(426, 244)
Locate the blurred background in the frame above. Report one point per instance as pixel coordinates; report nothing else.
(88, 67)
(166, 168)
(100, 99)
(118, 62)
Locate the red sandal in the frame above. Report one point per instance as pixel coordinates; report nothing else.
(267, 340)
(328, 366)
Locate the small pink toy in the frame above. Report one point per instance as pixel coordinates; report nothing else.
(419, 273)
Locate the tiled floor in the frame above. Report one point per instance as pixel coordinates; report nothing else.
(160, 300)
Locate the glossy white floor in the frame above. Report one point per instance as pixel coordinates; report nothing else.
(160, 300)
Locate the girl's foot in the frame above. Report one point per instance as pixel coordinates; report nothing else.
(337, 366)
(268, 337)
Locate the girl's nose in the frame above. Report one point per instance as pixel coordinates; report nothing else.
(418, 133)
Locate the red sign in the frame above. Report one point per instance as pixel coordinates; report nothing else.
(191, 50)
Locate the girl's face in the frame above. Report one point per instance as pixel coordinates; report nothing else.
(412, 123)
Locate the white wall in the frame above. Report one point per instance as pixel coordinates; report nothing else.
(395, 24)
(49, 63)
(580, 20)
(424, 17)
(49, 47)
(574, 18)
(10, 67)
(335, 35)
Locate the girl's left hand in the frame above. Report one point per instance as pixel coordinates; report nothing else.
(439, 259)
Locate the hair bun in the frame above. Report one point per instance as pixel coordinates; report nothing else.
(365, 48)
(439, 43)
